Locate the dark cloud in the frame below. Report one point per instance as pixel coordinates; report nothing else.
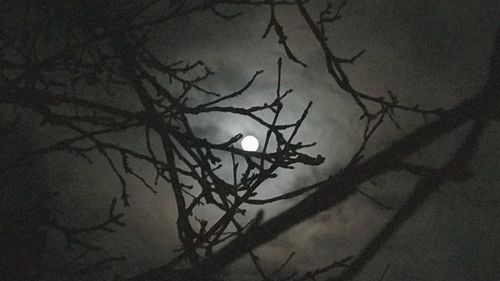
(434, 53)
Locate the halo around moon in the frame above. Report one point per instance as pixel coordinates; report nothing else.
(250, 143)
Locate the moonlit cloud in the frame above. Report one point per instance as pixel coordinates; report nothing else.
(427, 52)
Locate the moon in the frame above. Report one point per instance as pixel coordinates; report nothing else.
(250, 143)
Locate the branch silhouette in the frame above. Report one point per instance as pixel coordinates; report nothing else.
(88, 69)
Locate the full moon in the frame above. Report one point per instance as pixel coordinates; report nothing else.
(250, 143)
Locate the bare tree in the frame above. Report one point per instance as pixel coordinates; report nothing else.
(74, 63)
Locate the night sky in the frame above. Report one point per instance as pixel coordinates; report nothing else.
(432, 53)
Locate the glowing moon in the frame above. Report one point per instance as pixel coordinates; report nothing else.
(250, 143)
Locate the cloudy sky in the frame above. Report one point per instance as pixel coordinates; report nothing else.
(434, 53)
